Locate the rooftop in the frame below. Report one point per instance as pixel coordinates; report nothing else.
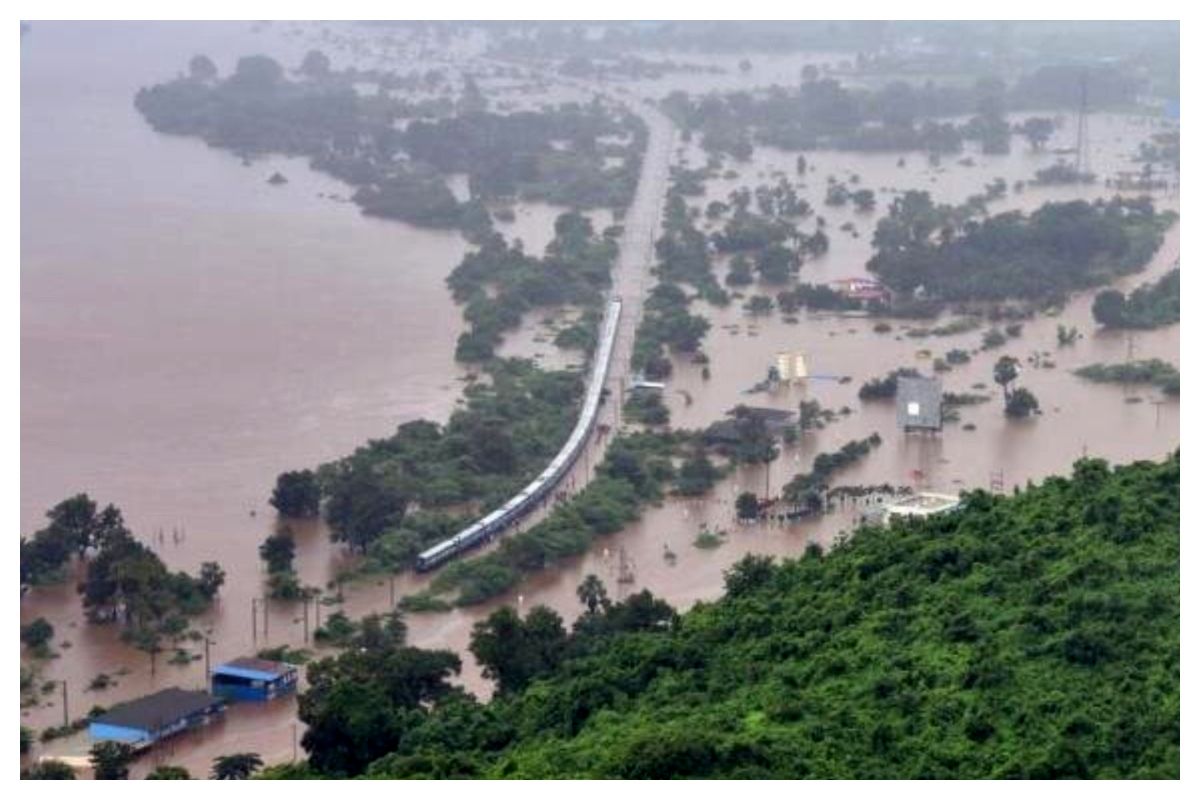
(259, 668)
(923, 503)
(156, 710)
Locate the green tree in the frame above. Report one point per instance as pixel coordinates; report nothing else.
(169, 772)
(747, 505)
(1004, 373)
(365, 501)
(76, 518)
(697, 474)
(278, 550)
(810, 414)
(236, 767)
(776, 264)
(1037, 131)
(513, 651)
(315, 65)
(297, 494)
(748, 574)
(111, 760)
(37, 634)
(211, 579)
(1108, 308)
(202, 68)
(593, 594)
(1021, 403)
(356, 703)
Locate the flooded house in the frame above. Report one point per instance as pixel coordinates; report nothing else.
(254, 679)
(149, 719)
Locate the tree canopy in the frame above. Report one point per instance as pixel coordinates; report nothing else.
(1031, 636)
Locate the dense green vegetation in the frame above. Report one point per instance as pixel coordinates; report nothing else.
(647, 408)
(1032, 636)
(1019, 402)
(125, 580)
(398, 171)
(807, 489)
(636, 470)
(555, 155)
(939, 253)
(667, 325)
(499, 283)
(885, 388)
(509, 428)
(823, 113)
(1149, 306)
(297, 494)
(1153, 371)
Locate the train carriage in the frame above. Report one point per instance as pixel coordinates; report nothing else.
(543, 484)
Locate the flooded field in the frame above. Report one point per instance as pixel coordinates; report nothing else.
(189, 331)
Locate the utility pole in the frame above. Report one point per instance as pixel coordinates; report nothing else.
(1158, 404)
(207, 670)
(294, 737)
(266, 630)
(1082, 161)
(66, 713)
(306, 599)
(254, 618)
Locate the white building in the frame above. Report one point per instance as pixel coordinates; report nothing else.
(922, 504)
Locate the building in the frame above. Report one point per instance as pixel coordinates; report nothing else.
(148, 719)
(865, 289)
(791, 366)
(254, 679)
(922, 504)
(918, 403)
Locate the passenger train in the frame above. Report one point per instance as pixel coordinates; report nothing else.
(494, 523)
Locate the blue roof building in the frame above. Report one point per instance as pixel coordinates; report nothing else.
(254, 679)
(148, 719)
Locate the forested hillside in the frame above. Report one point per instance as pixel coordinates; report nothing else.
(1030, 636)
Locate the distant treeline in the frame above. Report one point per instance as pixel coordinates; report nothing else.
(823, 113)
(398, 170)
(937, 251)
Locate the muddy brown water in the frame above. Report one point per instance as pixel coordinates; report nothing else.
(189, 331)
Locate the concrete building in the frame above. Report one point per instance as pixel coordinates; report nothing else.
(919, 404)
(254, 679)
(148, 719)
(865, 289)
(922, 504)
(791, 366)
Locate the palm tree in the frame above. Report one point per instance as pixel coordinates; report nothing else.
(236, 767)
(592, 594)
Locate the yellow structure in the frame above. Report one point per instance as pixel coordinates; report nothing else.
(791, 366)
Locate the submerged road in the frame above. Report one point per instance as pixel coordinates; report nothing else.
(631, 275)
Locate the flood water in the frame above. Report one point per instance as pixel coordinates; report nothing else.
(189, 331)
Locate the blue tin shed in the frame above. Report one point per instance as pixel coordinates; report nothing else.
(148, 719)
(254, 679)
